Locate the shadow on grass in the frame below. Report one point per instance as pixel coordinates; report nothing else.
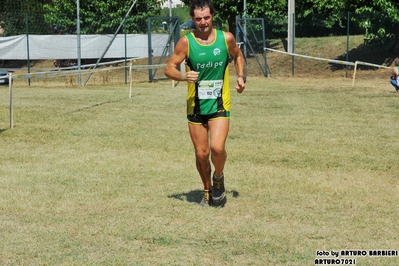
(195, 196)
(365, 53)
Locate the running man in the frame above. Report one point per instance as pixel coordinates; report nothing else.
(206, 51)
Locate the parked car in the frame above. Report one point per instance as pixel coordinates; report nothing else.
(5, 80)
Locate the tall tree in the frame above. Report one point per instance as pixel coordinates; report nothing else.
(100, 16)
(15, 14)
(378, 18)
(383, 26)
(227, 10)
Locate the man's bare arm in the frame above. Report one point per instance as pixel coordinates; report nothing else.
(178, 56)
(238, 57)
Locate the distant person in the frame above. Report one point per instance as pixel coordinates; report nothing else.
(56, 63)
(206, 52)
(395, 75)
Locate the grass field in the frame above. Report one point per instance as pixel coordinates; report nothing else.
(91, 177)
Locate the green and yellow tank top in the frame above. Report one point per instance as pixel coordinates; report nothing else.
(211, 94)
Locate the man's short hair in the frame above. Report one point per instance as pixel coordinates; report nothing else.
(201, 4)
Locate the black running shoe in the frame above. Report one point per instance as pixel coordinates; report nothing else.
(218, 191)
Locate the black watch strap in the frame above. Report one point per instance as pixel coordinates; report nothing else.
(243, 77)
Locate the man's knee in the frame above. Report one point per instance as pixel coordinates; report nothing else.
(218, 151)
(202, 154)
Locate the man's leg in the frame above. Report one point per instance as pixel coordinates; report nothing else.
(395, 84)
(199, 137)
(219, 129)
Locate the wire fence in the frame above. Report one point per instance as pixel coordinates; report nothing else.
(312, 25)
(28, 39)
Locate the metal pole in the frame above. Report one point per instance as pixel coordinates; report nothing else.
(78, 39)
(170, 26)
(10, 90)
(264, 50)
(124, 31)
(291, 11)
(244, 16)
(293, 43)
(150, 51)
(113, 38)
(27, 43)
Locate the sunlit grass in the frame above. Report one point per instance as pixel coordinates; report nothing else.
(91, 177)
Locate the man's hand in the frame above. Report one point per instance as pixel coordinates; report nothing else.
(240, 87)
(192, 76)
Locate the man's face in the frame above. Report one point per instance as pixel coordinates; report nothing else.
(203, 19)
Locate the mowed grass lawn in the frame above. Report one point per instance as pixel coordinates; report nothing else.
(89, 176)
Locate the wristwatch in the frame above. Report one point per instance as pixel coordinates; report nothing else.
(243, 77)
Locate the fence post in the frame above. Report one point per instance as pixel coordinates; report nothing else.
(124, 31)
(354, 75)
(10, 91)
(27, 43)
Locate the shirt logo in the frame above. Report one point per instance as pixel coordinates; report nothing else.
(217, 92)
(216, 51)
